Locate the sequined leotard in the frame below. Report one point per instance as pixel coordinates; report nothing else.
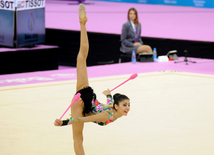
(98, 108)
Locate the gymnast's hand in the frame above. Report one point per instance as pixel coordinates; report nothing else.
(107, 92)
(58, 122)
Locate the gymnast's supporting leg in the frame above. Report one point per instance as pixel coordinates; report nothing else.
(82, 81)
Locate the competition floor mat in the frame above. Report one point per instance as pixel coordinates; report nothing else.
(171, 113)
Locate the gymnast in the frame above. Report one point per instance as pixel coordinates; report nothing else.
(87, 108)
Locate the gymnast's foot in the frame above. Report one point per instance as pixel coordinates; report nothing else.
(82, 14)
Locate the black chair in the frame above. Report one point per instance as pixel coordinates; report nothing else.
(124, 57)
(145, 57)
(142, 57)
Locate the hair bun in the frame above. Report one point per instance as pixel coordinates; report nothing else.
(116, 96)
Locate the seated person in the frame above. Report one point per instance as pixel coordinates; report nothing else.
(130, 37)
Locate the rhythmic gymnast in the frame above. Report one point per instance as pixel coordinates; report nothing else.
(87, 108)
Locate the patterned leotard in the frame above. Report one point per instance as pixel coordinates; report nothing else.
(98, 108)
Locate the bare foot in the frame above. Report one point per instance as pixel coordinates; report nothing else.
(82, 14)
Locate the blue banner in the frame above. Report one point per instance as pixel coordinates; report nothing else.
(194, 3)
(200, 3)
(171, 2)
(131, 1)
(6, 27)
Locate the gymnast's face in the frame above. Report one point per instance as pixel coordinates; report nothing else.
(124, 107)
(132, 15)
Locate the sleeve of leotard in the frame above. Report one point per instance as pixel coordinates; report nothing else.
(109, 99)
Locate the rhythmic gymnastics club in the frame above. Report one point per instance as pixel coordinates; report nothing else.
(130, 78)
(76, 97)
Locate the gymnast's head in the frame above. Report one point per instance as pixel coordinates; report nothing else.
(121, 104)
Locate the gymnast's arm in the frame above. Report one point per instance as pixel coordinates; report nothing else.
(101, 117)
(110, 100)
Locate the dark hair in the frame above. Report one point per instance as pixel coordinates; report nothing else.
(136, 22)
(87, 95)
(119, 98)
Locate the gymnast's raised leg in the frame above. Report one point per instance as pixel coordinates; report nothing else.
(82, 81)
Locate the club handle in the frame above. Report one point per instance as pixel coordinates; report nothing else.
(76, 97)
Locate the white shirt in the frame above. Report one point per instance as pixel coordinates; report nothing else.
(133, 26)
